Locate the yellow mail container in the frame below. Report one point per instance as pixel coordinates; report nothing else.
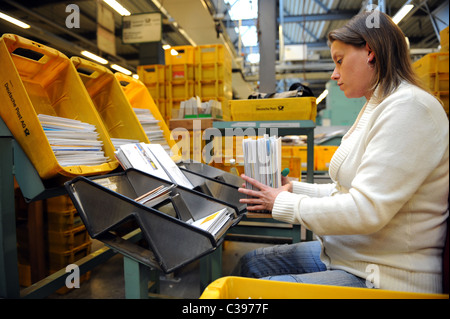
(110, 101)
(212, 54)
(185, 55)
(287, 109)
(323, 155)
(432, 63)
(444, 40)
(250, 288)
(152, 73)
(37, 79)
(139, 97)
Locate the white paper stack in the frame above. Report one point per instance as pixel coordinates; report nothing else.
(73, 142)
(155, 196)
(215, 223)
(151, 159)
(262, 160)
(194, 106)
(117, 142)
(151, 128)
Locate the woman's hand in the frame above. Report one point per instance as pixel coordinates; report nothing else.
(263, 199)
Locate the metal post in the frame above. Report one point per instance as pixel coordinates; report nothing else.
(210, 267)
(267, 43)
(9, 276)
(137, 277)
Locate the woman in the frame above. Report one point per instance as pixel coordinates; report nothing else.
(382, 222)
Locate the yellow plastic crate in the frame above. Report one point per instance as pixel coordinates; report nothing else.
(59, 260)
(299, 108)
(444, 97)
(185, 55)
(444, 40)
(139, 97)
(151, 74)
(436, 81)
(211, 89)
(63, 220)
(157, 90)
(322, 156)
(213, 72)
(162, 107)
(59, 203)
(47, 84)
(432, 63)
(183, 90)
(62, 241)
(110, 101)
(179, 72)
(291, 160)
(212, 54)
(249, 288)
(302, 153)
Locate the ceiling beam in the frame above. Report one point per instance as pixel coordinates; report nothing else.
(331, 15)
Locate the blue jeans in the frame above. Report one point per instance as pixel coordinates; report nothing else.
(294, 263)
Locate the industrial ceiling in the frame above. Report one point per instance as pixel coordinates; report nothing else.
(198, 22)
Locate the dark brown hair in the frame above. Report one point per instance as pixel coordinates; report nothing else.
(387, 41)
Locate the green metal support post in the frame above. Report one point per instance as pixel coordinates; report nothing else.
(210, 267)
(9, 276)
(137, 279)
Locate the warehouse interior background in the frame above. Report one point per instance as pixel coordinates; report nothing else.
(297, 28)
(272, 44)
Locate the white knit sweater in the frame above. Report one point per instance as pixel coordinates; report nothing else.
(384, 217)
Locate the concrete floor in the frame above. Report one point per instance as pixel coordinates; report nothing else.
(107, 280)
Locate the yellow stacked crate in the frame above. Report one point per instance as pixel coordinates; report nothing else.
(291, 160)
(139, 98)
(154, 78)
(322, 156)
(433, 71)
(213, 79)
(66, 236)
(179, 78)
(444, 40)
(66, 239)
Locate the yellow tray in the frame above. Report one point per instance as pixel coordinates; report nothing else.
(110, 101)
(245, 288)
(47, 84)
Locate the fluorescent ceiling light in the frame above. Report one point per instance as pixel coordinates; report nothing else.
(94, 57)
(118, 7)
(166, 46)
(14, 21)
(121, 69)
(402, 13)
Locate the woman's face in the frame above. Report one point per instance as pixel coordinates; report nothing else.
(353, 72)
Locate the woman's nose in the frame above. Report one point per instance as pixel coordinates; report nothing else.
(335, 75)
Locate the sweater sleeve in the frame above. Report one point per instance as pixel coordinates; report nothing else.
(313, 190)
(402, 147)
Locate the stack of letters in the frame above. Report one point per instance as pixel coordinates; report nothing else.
(73, 142)
(151, 159)
(262, 160)
(151, 128)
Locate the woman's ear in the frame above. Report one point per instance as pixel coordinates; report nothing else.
(370, 54)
